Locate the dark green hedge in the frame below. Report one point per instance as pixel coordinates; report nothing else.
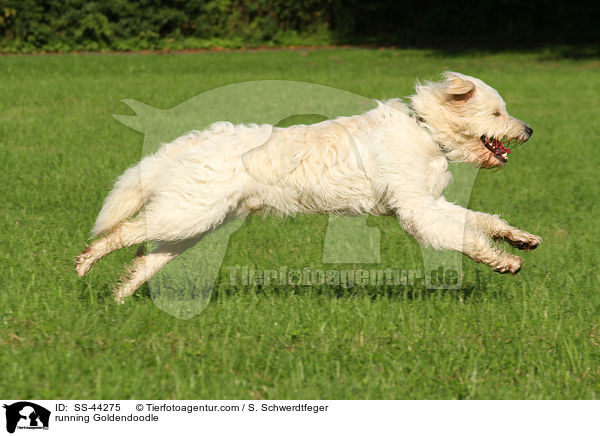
(27, 25)
(64, 25)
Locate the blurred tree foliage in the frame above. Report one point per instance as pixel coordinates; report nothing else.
(64, 25)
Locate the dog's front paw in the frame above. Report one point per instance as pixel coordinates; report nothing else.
(84, 262)
(524, 241)
(509, 264)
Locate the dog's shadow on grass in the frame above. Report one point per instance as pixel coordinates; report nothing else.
(412, 293)
(401, 292)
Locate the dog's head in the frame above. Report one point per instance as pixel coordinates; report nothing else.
(469, 120)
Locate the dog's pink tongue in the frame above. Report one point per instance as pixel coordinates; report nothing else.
(500, 146)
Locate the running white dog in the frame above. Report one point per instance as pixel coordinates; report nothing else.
(390, 160)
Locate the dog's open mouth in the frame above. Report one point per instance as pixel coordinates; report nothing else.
(496, 146)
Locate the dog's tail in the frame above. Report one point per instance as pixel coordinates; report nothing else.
(125, 199)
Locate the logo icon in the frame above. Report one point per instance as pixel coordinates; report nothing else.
(26, 415)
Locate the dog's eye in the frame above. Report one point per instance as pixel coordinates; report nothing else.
(497, 114)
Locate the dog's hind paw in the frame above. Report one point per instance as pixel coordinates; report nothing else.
(84, 262)
(120, 294)
(510, 264)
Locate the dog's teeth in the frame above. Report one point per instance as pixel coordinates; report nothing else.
(505, 155)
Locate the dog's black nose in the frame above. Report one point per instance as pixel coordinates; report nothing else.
(528, 130)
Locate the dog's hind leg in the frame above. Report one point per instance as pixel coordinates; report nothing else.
(160, 222)
(191, 225)
(123, 235)
(145, 266)
(168, 217)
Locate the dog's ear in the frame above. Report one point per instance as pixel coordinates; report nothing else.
(458, 90)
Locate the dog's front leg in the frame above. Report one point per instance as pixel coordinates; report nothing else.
(433, 224)
(498, 228)
(495, 227)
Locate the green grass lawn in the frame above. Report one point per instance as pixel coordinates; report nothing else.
(536, 335)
